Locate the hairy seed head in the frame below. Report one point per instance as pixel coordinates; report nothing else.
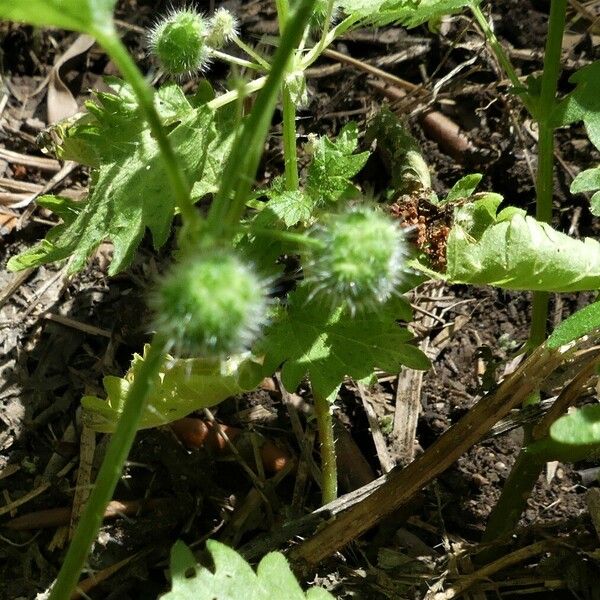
(223, 27)
(213, 303)
(179, 42)
(361, 260)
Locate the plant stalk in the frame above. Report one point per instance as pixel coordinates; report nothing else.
(290, 153)
(251, 52)
(495, 45)
(545, 172)
(240, 170)
(180, 186)
(526, 471)
(513, 500)
(109, 474)
(327, 448)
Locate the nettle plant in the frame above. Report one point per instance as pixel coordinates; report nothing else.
(223, 319)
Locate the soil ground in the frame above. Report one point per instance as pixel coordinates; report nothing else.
(59, 336)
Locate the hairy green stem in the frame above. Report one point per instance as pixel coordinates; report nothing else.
(545, 171)
(290, 153)
(338, 30)
(539, 318)
(328, 454)
(234, 60)
(283, 10)
(240, 170)
(251, 52)
(495, 45)
(518, 487)
(180, 186)
(233, 95)
(109, 474)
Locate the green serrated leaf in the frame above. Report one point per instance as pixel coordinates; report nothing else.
(514, 251)
(328, 180)
(182, 386)
(334, 164)
(409, 13)
(312, 339)
(583, 322)
(86, 16)
(583, 103)
(129, 188)
(292, 207)
(232, 578)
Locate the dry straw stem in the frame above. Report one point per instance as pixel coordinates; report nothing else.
(400, 485)
(514, 558)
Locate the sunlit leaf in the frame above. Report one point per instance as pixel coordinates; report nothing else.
(181, 387)
(232, 578)
(87, 16)
(313, 339)
(514, 251)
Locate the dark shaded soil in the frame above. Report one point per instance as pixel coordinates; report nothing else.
(45, 366)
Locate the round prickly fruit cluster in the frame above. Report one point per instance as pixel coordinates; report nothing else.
(361, 258)
(223, 27)
(179, 42)
(211, 304)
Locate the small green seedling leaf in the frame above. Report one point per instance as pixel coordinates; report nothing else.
(463, 188)
(232, 578)
(589, 181)
(514, 251)
(313, 339)
(334, 164)
(129, 189)
(583, 322)
(182, 386)
(583, 103)
(573, 437)
(581, 427)
(329, 179)
(87, 16)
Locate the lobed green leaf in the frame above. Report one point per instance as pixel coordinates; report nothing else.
(129, 188)
(329, 179)
(181, 387)
(409, 13)
(310, 338)
(514, 251)
(232, 578)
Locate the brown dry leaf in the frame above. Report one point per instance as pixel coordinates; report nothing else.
(61, 103)
(7, 223)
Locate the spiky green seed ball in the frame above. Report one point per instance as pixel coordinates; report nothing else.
(179, 42)
(223, 27)
(361, 260)
(211, 304)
